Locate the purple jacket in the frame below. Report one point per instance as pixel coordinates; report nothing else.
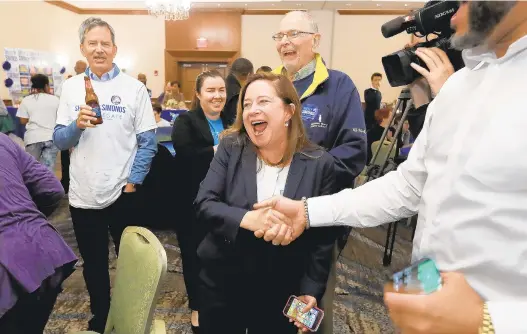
(30, 248)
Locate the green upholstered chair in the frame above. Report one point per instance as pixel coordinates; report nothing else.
(141, 267)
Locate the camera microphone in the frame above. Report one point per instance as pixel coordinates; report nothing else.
(397, 25)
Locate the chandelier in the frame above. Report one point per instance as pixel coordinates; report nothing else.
(171, 10)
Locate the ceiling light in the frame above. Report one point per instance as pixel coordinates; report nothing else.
(299, 4)
(378, 5)
(406, 5)
(219, 5)
(172, 10)
(348, 4)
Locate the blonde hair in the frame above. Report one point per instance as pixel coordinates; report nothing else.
(296, 134)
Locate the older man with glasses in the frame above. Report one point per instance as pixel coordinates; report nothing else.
(331, 111)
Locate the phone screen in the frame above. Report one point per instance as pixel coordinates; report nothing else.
(421, 277)
(308, 319)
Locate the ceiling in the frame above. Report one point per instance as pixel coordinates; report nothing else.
(261, 5)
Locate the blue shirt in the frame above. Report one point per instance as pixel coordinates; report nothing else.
(216, 127)
(106, 76)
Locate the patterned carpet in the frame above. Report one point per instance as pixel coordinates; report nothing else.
(359, 305)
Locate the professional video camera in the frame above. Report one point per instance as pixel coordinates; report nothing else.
(433, 18)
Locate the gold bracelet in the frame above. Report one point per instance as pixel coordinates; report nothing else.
(486, 326)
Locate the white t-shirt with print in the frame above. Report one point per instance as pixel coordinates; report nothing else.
(41, 110)
(101, 161)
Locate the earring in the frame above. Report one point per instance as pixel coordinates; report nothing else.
(287, 123)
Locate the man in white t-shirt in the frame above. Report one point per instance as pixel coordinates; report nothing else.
(108, 161)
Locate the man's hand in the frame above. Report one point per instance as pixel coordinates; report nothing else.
(129, 188)
(265, 219)
(293, 210)
(455, 309)
(310, 302)
(439, 67)
(86, 116)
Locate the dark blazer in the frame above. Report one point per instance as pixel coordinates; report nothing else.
(193, 143)
(231, 256)
(233, 94)
(372, 98)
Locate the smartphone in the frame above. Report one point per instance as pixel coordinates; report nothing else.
(422, 277)
(311, 319)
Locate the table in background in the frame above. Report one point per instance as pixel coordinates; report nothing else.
(171, 114)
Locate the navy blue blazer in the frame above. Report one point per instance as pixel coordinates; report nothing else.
(231, 255)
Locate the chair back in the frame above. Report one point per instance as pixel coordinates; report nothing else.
(141, 267)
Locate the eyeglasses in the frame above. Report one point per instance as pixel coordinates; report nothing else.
(292, 34)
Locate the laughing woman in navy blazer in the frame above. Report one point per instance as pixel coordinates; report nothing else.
(246, 282)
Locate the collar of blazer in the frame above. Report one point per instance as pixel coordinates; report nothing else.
(294, 178)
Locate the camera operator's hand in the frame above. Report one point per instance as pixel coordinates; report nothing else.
(439, 67)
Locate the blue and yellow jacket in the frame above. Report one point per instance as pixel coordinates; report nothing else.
(333, 116)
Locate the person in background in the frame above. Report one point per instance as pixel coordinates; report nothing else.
(182, 105)
(34, 259)
(264, 69)
(471, 205)
(161, 122)
(109, 161)
(266, 152)
(195, 138)
(80, 68)
(38, 112)
(172, 92)
(372, 99)
(240, 71)
(382, 120)
(142, 77)
(3, 108)
(331, 112)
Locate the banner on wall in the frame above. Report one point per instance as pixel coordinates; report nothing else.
(23, 64)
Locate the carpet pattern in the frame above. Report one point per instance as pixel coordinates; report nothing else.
(358, 304)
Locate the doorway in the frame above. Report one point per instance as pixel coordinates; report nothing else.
(189, 71)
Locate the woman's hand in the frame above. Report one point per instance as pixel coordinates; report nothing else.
(261, 220)
(310, 302)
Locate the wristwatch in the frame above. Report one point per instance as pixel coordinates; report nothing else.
(486, 326)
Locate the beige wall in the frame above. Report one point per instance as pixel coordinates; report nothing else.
(140, 39)
(350, 43)
(359, 46)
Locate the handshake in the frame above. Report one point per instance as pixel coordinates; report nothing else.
(278, 220)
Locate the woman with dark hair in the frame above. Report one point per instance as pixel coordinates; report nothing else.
(34, 259)
(38, 112)
(195, 137)
(245, 281)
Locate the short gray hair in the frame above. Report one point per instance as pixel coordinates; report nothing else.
(307, 17)
(91, 23)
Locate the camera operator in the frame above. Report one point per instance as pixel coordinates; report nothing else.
(465, 176)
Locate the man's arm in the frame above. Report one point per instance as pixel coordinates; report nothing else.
(145, 125)
(508, 316)
(67, 132)
(349, 148)
(386, 199)
(147, 149)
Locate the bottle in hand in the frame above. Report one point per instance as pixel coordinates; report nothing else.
(92, 101)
